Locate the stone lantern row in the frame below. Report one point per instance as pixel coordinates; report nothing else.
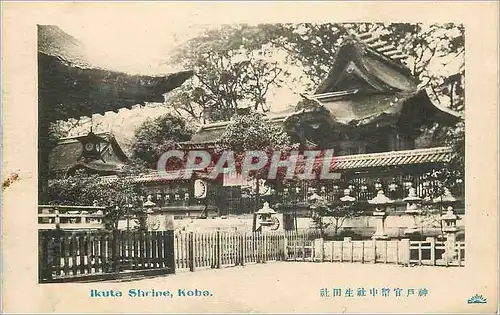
(413, 208)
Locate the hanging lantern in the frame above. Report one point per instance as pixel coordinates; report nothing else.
(393, 186)
(407, 184)
(93, 146)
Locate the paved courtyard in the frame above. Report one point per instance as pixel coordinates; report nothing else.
(281, 287)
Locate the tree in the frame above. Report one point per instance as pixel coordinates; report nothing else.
(229, 74)
(335, 213)
(85, 190)
(158, 135)
(251, 132)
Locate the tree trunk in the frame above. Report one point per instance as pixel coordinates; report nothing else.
(257, 194)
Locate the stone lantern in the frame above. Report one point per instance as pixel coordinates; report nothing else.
(450, 229)
(446, 199)
(412, 208)
(347, 196)
(149, 204)
(265, 214)
(380, 201)
(313, 198)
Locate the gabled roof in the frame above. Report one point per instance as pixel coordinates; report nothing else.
(368, 82)
(358, 66)
(209, 134)
(65, 156)
(71, 86)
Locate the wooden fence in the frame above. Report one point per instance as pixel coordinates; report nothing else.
(433, 253)
(369, 251)
(224, 249)
(404, 252)
(66, 255)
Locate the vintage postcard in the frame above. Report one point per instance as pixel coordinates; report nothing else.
(250, 157)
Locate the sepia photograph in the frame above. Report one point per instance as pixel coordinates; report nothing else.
(220, 162)
(361, 127)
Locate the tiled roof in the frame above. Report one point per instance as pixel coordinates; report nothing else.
(209, 134)
(392, 158)
(71, 86)
(154, 177)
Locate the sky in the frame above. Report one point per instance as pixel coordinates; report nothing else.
(142, 48)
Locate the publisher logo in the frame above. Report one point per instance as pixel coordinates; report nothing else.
(477, 299)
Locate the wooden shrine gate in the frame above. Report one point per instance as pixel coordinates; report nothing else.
(102, 255)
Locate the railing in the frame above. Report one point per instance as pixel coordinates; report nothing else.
(369, 251)
(433, 253)
(403, 252)
(70, 217)
(225, 249)
(65, 255)
(300, 245)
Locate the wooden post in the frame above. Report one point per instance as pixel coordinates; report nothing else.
(285, 248)
(265, 258)
(243, 249)
(420, 253)
(295, 241)
(116, 251)
(191, 252)
(42, 257)
(57, 219)
(362, 252)
(352, 251)
(459, 245)
(374, 251)
(386, 254)
(341, 251)
(303, 246)
(432, 240)
(405, 250)
(322, 249)
(332, 244)
(218, 249)
(397, 252)
(168, 248)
